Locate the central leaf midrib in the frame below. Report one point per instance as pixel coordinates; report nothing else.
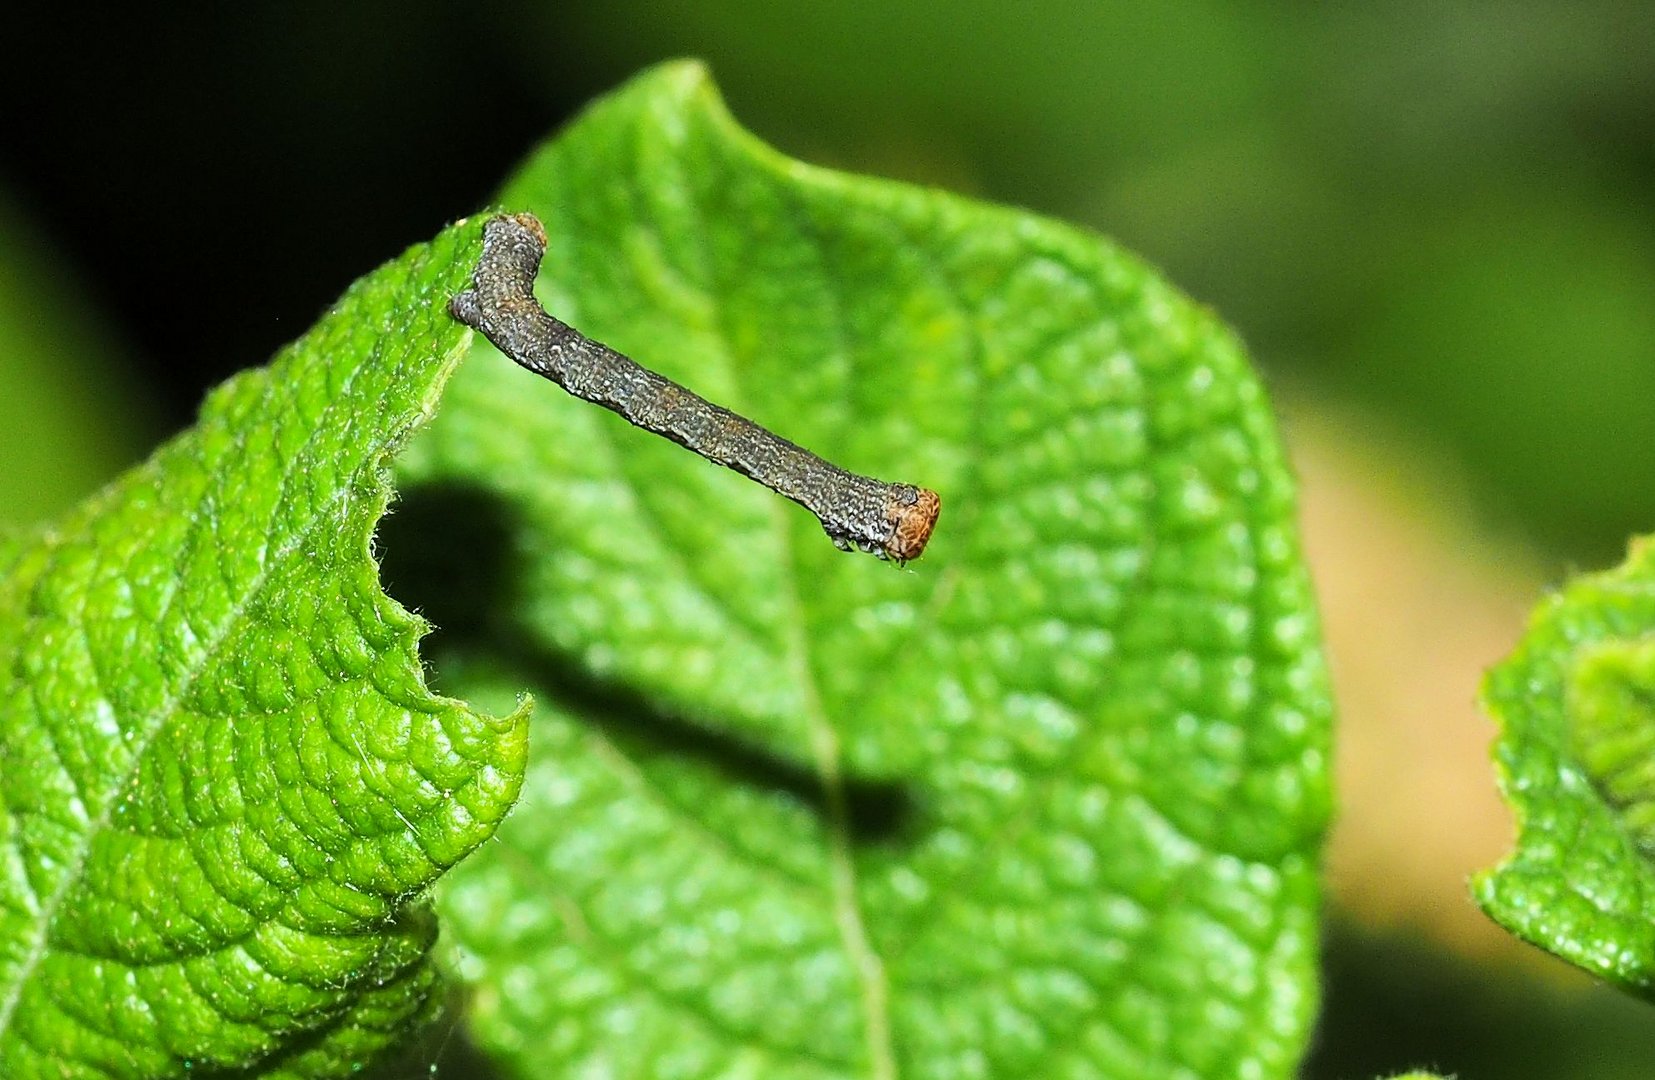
(867, 965)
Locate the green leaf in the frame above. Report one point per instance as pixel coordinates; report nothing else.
(1576, 761)
(226, 785)
(1046, 803)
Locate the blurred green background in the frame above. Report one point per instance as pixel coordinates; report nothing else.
(1433, 223)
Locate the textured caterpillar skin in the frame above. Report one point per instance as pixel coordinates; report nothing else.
(893, 521)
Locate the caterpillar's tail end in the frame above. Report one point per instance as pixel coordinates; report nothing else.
(467, 308)
(513, 245)
(530, 223)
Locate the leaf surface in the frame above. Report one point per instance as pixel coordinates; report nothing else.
(224, 780)
(1046, 803)
(1576, 760)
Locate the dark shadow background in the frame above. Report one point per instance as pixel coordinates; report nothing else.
(217, 177)
(1441, 211)
(1438, 215)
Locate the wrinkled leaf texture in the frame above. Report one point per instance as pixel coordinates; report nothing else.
(225, 784)
(1576, 761)
(1046, 803)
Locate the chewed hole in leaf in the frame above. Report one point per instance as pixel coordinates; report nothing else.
(447, 553)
